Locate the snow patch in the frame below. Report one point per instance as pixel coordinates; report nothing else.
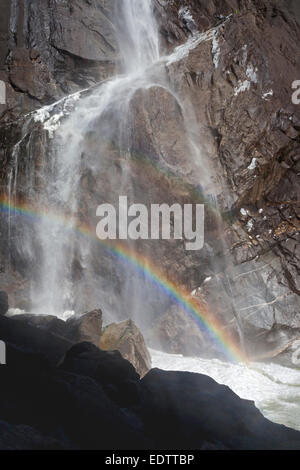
(216, 50)
(193, 41)
(253, 164)
(184, 14)
(245, 53)
(53, 123)
(242, 86)
(243, 211)
(250, 225)
(267, 94)
(251, 73)
(64, 106)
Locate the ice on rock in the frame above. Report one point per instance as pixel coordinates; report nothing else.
(253, 164)
(216, 50)
(245, 85)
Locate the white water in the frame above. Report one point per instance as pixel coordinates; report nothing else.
(273, 388)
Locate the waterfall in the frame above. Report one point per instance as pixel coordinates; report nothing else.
(89, 140)
(137, 35)
(106, 109)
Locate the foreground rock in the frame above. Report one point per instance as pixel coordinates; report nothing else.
(118, 376)
(70, 408)
(24, 437)
(85, 327)
(32, 339)
(207, 415)
(95, 400)
(126, 338)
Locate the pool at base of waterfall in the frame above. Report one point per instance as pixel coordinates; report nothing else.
(274, 388)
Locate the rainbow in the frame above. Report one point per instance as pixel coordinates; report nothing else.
(199, 312)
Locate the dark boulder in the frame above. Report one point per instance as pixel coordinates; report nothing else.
(23, 437)
(48, 323)
(70, 409)
(109, 368)
(30, 339)
(95, 400)
(78, 328)
(206, 415)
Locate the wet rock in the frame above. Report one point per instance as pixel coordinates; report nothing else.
(126, 338)
(3, 303)
(161, 134)
(280, 344)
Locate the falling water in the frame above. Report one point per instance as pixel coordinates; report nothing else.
(106, 111)
(84, 134)
(108, 105)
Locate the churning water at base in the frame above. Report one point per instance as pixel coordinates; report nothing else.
(274, 388)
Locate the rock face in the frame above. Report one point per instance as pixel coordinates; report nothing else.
(95, 400)
(52, 49)
(243, 99)
(3, 302)
(126, 338)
